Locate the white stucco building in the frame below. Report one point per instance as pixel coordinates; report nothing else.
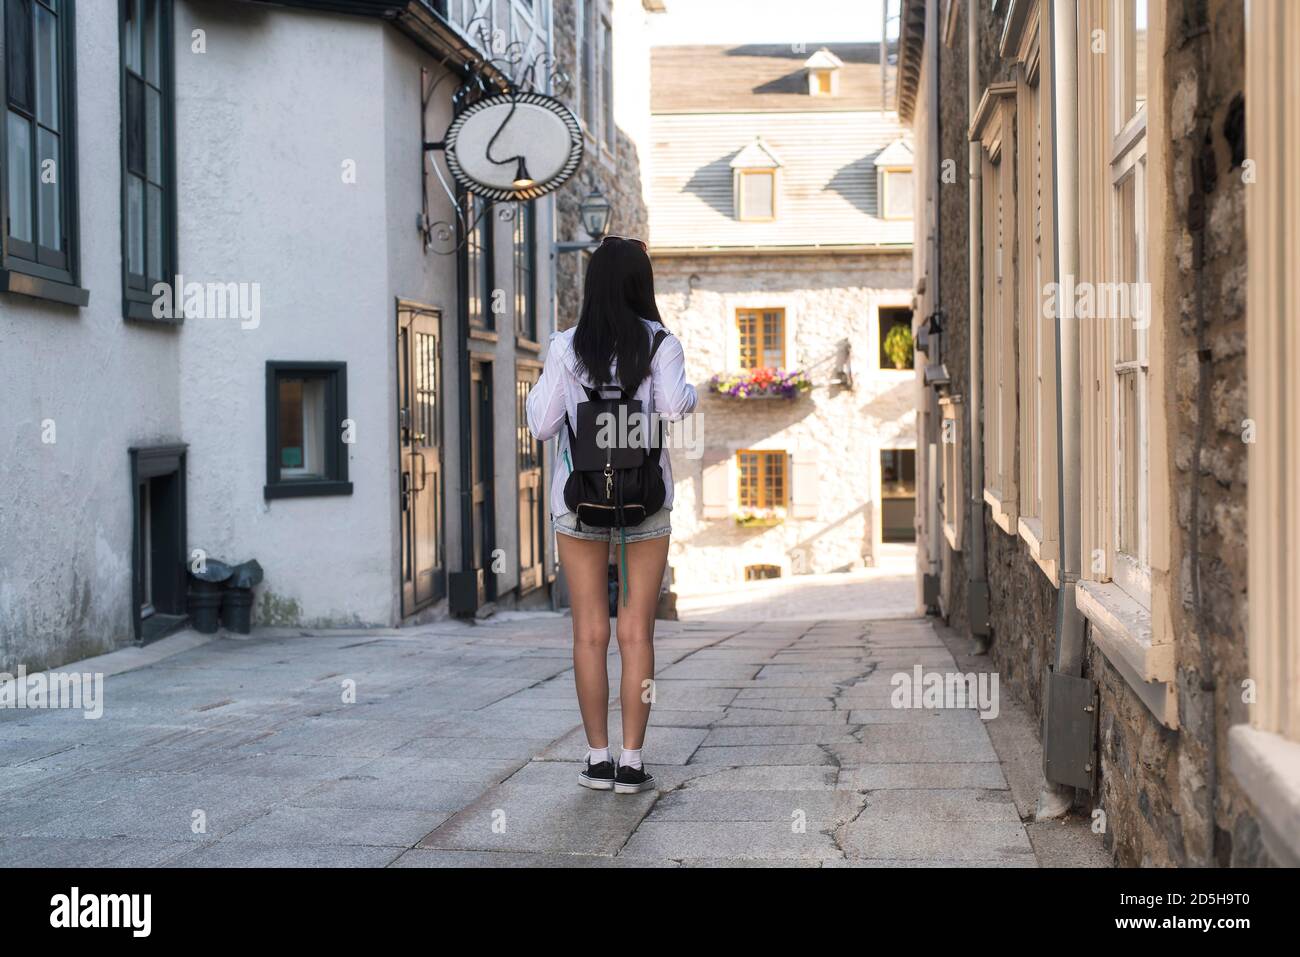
(780, 228)
(337, 395)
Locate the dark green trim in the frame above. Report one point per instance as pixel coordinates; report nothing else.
(336, 451)
(137, 305)
(59, 284)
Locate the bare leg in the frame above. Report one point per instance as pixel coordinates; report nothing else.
(636, 631)
(586, 568)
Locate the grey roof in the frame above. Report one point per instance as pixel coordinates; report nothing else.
(827, 190)
(760, 77)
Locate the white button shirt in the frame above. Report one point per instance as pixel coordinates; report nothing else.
(560, 389)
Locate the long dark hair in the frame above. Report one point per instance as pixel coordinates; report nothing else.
(619, 293)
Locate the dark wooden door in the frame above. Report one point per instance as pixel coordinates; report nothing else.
(482, 491)
(532, 518)
(419, 418)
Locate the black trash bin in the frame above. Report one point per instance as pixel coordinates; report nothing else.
(237, 599)
(205, 595)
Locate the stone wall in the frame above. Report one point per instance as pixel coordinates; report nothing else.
(1170, 797)
(618, 177)
(829, 302)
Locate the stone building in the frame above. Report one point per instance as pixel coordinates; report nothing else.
(605, 54)
(780, 229)
(350, 412)
(1106, 288)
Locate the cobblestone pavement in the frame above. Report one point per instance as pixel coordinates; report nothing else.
(774, 743)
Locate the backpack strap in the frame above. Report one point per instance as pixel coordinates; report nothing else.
(660, 336)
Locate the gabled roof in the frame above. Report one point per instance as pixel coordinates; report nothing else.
(897, 153)
(757, 155)
(823, 59)
(762, 78)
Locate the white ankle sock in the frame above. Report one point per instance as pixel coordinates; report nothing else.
(597, 755)
(628, 758)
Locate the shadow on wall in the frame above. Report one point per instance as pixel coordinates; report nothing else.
(712, 183)
(855, 182)
(881, 405)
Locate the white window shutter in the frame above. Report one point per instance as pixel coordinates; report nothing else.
(803, 486)
(716, 492)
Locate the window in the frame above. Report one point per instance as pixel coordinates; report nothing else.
(896, 350)
(762, 338)
(894, 180)
(756, 189)
(762, 479)
(306, 434)
(995, 124)
(1265, 754)
(820, 83)
(952, 453)
(758, 573)
(607, 84)
(38, 142)
(148, 177)
(525, 245)
(898, 495)
(1124, 443)
(896, 193)
(480, 271)
(1036, 332)
(587, 62)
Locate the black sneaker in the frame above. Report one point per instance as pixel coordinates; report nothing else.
(633, 780)
(598, 777)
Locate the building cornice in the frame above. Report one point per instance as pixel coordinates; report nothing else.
(667, 252)
(911, 51)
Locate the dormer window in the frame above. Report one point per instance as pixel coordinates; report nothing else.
(894, 181)
(823, 69)
(755, 182)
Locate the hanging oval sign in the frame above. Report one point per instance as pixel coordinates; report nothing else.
(513, 146)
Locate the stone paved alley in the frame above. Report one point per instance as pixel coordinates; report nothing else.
(462, 747)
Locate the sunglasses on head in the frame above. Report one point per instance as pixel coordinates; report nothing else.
(639, 242)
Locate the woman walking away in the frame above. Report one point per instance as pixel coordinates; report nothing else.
(618, 367)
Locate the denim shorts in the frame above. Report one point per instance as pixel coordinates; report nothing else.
(658, 525)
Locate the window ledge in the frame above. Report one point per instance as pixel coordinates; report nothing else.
(954, 540)
(1004, 516)
(306, 489)
(1122, 630)
(38, 287)
(1043, 553)
(528, 345)
(1268, 767)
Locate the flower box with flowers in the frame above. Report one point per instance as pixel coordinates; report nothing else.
(760, 517)
(760, 384)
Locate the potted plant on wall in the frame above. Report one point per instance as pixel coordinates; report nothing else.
(898, 346)
(760, 517)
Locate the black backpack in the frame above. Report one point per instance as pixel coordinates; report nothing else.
(618, 486)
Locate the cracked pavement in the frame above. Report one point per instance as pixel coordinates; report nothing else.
(774, 744)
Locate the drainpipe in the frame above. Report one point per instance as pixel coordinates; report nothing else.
(1067, 660)
(977, 591)
(934, 526)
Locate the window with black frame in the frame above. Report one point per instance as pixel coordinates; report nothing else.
(39, 148)
(478, 252)
(307, 431)
(148, 178)
(525, 244)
